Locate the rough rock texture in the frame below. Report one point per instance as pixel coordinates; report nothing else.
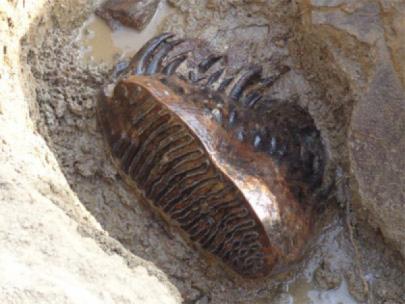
(76, 218)
(132, 13)
(46, 257)
(51, 249)
(366, 44)
(349, 59)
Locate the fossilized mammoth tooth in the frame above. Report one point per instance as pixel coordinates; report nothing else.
(233, 170)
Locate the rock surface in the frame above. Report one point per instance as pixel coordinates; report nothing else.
(366, 42)
(51, 249)
(131, 13)
(46, 257)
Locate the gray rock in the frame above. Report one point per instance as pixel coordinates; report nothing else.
(366, 41)
(131, 13)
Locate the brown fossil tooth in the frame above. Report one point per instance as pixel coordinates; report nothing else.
(252, 99)
(208, 62)
(214, 77)
(243, 81)
(156, 62)
(230, 200)
(171, 67)
(232, 169)
(140, 60)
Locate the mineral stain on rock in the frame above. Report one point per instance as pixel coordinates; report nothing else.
(132, 13)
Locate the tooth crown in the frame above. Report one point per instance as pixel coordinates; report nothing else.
(189, 150)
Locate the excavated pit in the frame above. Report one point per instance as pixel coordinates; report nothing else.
(66, 54)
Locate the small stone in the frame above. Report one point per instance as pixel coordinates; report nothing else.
(326, 278)
(281, 43)
(86, 168)
(216, 113)
(132, 13)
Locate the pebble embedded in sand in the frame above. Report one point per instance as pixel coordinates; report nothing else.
(132, 13)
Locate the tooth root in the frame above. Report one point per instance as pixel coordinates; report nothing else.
(172, 66)
(214, 77)
(282, 151)
(240, 135)
(157, 59)
(251, 100)
(192, 76)
(209, 62)
(216, 113)
(232, 118)
(257, 141)
(244, 81)
(195, 77)
(224, 84)
(155, 64)
(141, 58)
(120, 68)
(316, 165)
(273, 145)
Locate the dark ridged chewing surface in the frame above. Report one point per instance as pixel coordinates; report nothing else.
(233, 199)
(169, 164)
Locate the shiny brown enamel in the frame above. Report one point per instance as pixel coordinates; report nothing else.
(229, 199)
